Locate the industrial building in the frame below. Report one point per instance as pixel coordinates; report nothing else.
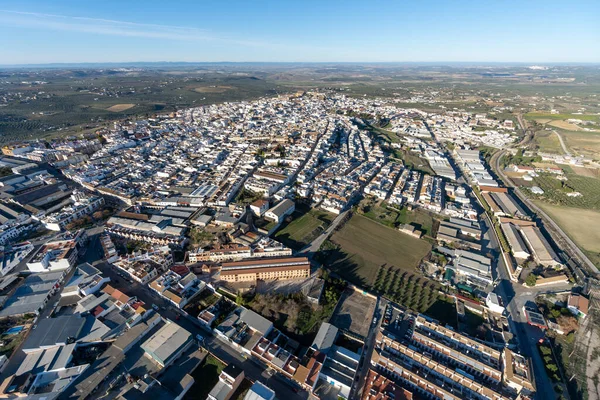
(541, 250)
(168, 343)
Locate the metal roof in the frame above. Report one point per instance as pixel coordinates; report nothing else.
(325, 337)
(166, 342)
(256, 321)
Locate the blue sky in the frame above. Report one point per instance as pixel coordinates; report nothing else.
(299, 30)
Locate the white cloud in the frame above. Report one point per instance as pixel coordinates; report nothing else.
(116, 28)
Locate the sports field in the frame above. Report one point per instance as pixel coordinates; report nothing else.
(365, 246)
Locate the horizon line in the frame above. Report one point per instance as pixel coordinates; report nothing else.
(440, 62)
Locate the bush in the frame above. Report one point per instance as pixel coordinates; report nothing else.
(531, 280)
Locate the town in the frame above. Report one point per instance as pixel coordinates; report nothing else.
(303, 245)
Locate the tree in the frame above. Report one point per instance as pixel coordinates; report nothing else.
(5, 171)
(199, 236)
(531, 280)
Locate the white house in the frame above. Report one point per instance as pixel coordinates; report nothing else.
(281, 210)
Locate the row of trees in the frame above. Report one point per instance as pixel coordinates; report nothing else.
(415, 292)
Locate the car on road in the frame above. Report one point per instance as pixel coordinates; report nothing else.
(155, 307)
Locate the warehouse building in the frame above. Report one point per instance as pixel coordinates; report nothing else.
(540, 248)
(515, 241)
(167, 344)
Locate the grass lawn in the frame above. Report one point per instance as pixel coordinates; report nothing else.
(363, 246)
(306, 224)
(11, 343)
(391, 217)
(548, 142)
(413, 161)
(418, 218)
(206, 377)
(388, 136)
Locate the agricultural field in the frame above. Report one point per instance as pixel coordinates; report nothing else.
(409, 289)
(359, 250)
(305, 225)
(51, 102)
(120, 107)
(584, 143)
(548, 116)
(547, 142)
(581, 226)
(565, 125)
(588, 172)
(212, 89)
(555, 191)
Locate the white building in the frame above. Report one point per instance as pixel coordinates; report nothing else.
(281, 210)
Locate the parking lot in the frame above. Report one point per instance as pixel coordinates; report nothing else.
(354, 313)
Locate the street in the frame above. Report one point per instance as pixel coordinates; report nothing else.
(368, 348)
(253, 370)
(515, 296)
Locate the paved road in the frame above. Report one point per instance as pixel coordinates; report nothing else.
(514, 297)
(365, 361)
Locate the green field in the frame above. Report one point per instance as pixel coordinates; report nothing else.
(306, 225)
(548, 142)
(392, 217)
(555, 191)
(363, 246)
(543, 115)
(206, 377)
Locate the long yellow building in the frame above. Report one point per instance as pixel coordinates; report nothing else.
(266, 269)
